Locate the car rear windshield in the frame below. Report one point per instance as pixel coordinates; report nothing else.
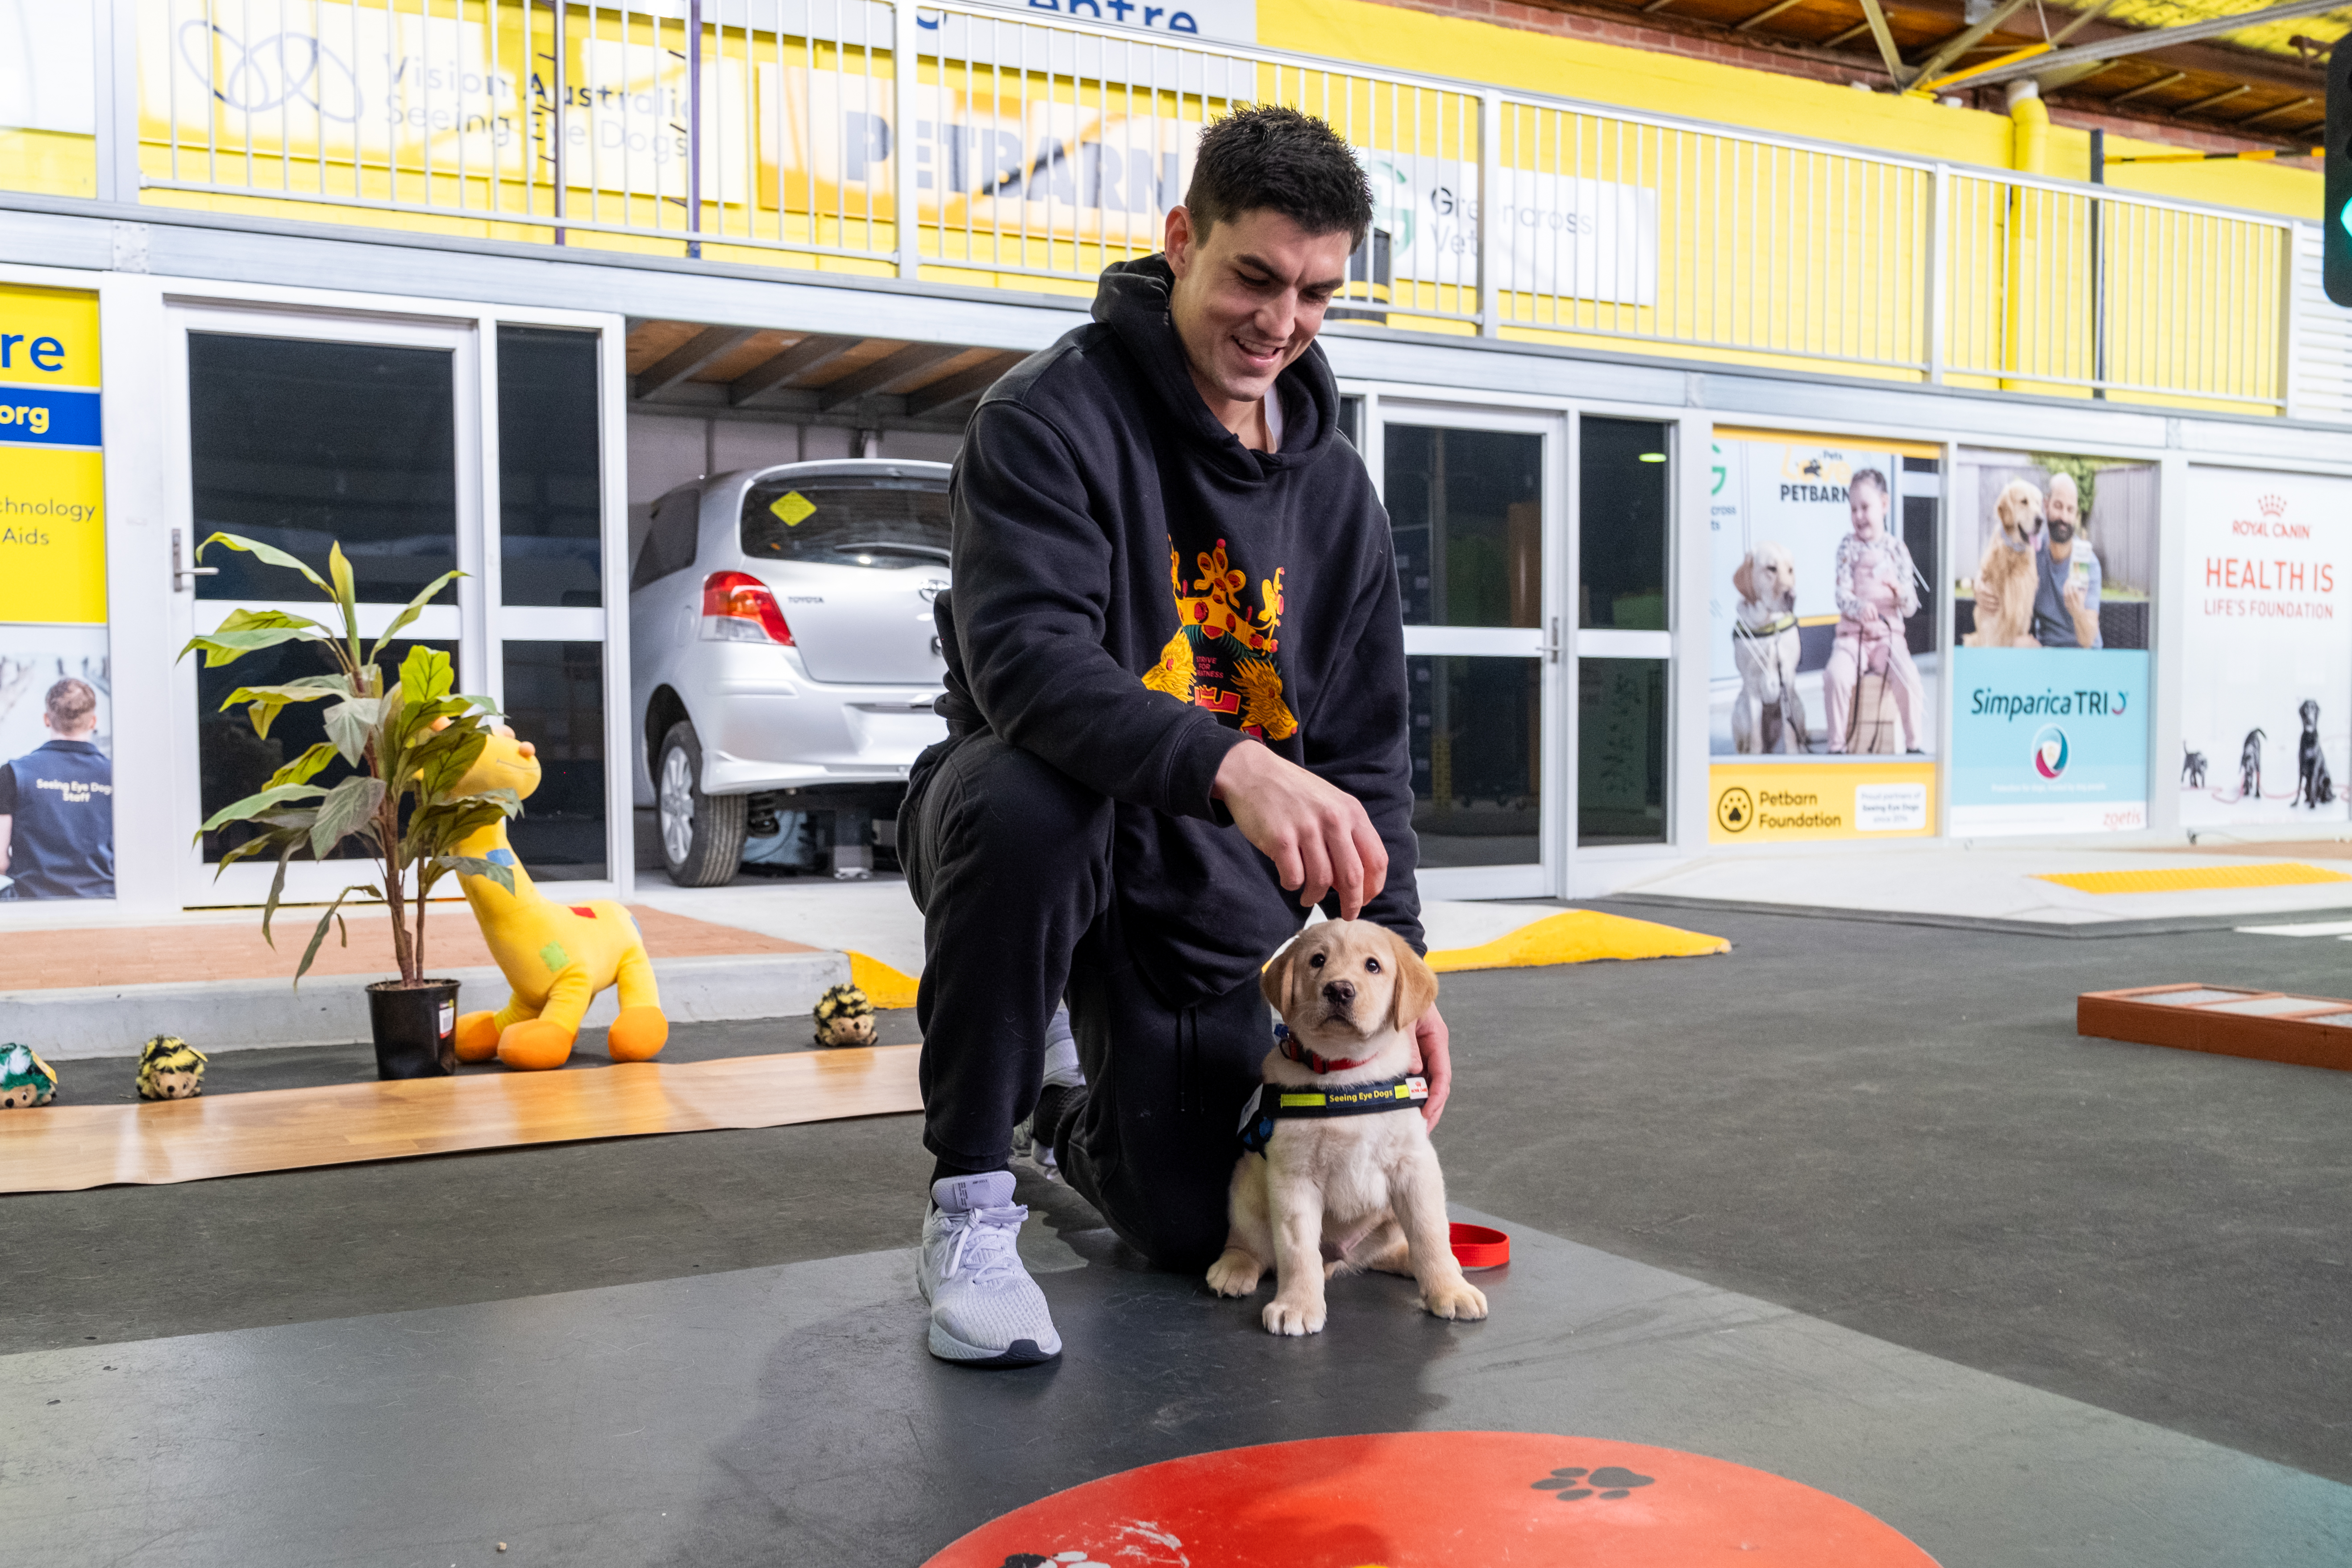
(845, 521)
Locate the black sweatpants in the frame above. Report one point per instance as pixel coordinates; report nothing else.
(1010, 860)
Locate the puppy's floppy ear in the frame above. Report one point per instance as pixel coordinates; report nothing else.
(1274, 980)
(1416, 984)
(1744, 579)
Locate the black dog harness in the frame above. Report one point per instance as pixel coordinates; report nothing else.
(1272, 1103)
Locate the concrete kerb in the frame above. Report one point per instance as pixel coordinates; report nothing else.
(67, 1023)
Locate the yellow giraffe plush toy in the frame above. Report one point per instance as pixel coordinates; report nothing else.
(556, 957)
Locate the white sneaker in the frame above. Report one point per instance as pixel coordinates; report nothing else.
(985, 1309)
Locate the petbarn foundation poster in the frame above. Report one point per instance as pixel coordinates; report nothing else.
(2266, 685)
(1821, 595)
(1822, 661)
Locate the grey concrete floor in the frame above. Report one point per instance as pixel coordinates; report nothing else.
(1889, 1132)
(784, 1416)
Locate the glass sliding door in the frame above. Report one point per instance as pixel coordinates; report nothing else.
(1624, 488)
(551, 603)
(1469, 495)
(302, 432)
(421, 446)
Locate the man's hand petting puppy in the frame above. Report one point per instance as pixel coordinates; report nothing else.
(1320, 841)
(1315, 834)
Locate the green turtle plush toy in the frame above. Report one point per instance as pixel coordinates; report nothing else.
(25, 1079)
(845, 1017)
(170, 1068)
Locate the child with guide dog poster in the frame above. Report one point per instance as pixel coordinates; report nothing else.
(1784, 520)
(1875, 593)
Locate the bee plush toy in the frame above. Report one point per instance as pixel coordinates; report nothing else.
(25, 1079)
(170, 1068)
(845, 1017)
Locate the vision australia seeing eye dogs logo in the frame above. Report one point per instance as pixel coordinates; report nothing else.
(1222, 657)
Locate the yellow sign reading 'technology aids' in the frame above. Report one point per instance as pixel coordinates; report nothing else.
(52, 466)
(1771, 802)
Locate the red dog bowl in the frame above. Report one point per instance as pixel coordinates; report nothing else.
(1480, 1247)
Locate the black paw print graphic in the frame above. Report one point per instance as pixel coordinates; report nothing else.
(1574, 1483)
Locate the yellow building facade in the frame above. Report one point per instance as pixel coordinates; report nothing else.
(1628, 323)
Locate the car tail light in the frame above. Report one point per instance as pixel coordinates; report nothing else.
(738, 607)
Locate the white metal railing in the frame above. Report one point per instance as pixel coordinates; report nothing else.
(2117, 293)
(1037, 151)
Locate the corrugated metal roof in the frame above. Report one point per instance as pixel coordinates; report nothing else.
(2270, 39)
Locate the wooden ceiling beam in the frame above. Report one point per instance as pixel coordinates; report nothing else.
(2158, 85)
(880, 376)
(2273, 112)
(812, 353)
(704, 349)
(2219, 99)
(1766, 14)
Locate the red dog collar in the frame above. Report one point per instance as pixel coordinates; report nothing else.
(1287, 1044)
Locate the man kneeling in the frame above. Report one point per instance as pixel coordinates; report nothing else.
(1176, 695)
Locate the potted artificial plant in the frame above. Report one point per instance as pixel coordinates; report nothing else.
(409, 744)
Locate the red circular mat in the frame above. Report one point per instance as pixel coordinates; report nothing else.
(1438, 1499)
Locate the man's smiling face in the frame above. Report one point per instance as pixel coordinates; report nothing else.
(1248, 299)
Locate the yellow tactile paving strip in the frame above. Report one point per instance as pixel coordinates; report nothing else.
(1578, 936)
(1572, 936)
(884, 986)
(67, 1148)
(2196, 878)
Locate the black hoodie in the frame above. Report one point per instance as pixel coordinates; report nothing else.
(1136, 592)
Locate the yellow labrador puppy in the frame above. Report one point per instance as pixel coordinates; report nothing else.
(1341, 1175)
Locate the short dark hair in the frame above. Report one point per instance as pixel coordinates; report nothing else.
(70, 704)
(1265, 156)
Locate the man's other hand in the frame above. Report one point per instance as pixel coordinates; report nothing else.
(1432, 1058)
(1315, 834)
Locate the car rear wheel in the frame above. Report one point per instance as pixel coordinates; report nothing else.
(701, 835)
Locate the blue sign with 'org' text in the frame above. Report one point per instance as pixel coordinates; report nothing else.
(2048, 739)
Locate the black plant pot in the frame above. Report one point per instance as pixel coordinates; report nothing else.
(415, 1028)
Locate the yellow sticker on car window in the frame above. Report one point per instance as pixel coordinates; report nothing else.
(793, 508)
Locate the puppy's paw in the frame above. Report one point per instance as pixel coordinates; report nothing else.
(1235, 1274)
(1455, 1298)
(1293, 1318)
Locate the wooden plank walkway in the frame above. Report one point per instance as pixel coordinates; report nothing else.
(67, 1148)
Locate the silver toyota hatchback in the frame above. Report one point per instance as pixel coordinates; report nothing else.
(782, 652)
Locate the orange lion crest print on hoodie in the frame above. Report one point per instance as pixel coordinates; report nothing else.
(1222, 657)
